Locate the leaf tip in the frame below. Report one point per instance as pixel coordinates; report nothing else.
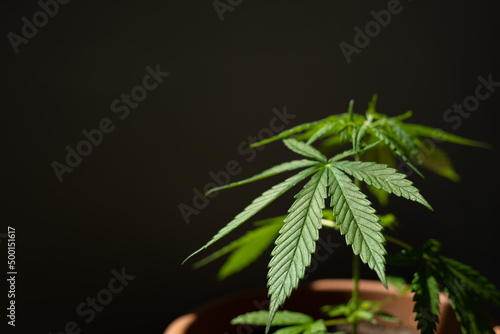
(190, 256)
(211, 191)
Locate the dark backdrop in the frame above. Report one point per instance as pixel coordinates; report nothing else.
(119, 207)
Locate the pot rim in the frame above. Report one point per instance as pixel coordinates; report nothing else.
(183, 322)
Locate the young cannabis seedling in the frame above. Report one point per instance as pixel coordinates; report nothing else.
(379, 139)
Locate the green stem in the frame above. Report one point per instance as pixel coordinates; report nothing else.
(398, 242)
(355, 291)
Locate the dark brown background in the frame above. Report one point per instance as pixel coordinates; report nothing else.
(119, 207)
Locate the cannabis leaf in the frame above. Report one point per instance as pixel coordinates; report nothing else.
(382, 155)
(258, 204)
(297, 323)
(357, 221)
(473, 280)
(436, 160)
(296, 242)
(304, 149)
(246, 249)
(358, 134)
(467, 309)
(296, 129)
(417, 130)
(406, 139)
(281, 168)
(383, 177)
(281, 318)
(394, 146)
(426, 297)
(324, 129)
(317, 327)
(460, 282)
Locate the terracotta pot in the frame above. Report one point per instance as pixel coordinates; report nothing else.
(215, 317)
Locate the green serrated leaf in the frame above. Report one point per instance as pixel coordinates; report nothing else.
(440, 135)
(394, 146)
(476, 282)
(291, 330)
(407, 141)
(402, 117)
(467, 310)
(351, 152)
(244, 250)
(304, 149)
(426, 296)
(357, 221)
(281, 168)
(275, 223)
(383, 177)
(296, 129)
(297, 241)
(317, 327)
(249, 251)
(438, 162)
(382, 155)
(358, 134)
(258, 204)
(281, 318)
(320, 132)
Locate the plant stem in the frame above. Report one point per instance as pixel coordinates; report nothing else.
(398, 242)
(355, 290)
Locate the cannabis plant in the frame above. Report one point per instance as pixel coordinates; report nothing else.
(370, 144)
